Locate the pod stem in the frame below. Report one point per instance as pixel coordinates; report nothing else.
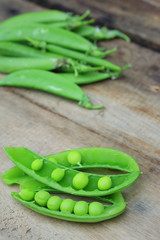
(87, 22)
(105, 33)
(85, 102)
(126, 67)
(108, 52)
(84, 15)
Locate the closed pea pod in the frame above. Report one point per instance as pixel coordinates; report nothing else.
(49, 82)
(23, 159)
(13, 49)
(97, 33)
(34, 17)
(49, 35)
(46, 17)
(83, 57)
(9, 65)
(71, 24)
(89, 77)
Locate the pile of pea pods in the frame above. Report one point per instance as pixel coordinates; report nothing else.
(34, 44)
(49, 184)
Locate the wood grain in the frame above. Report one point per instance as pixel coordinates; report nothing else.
(48, 124)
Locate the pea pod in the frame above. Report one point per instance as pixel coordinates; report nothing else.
(46, 17)
(12, 49)
(88, 77)
(49, 35)
(12, 64)
(73, 23)
(34, 17)
(97, 33)
(15, 175)
(23, 158)
(49, 82)
(98, 158)
(108, 212)
(85, 58)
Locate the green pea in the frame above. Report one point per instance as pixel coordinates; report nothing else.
(74, 157)
(57, 174)
(42, 197)
(37, 164)
(27, 195)
(54, 203)
(80, 181)
(52, 159)
(96, 208)
(104, 183)
(67, 205)
(81, 208)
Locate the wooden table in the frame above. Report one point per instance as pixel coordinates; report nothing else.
(129, 122)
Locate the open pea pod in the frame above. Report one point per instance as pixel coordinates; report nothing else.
(98, 158)
(16, 175)
(24, 158)
(108, 212)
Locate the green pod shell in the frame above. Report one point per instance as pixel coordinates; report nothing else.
(88, 77)
(49, 82)
(23, 159)
(48, 16)
(13, 49)
(20, 50)
(97, 33)
(48, 34)
(99, 158)
(13, 64)
(15, 175)
(110, 211)
(83, 57)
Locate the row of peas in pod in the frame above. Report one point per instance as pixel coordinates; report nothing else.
(55, 51)
(42, 179)
(80, 180)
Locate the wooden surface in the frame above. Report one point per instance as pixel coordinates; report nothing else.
(129, 122)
